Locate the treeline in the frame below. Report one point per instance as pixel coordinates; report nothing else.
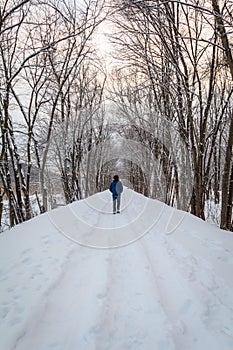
(51, 94)
(178, 68)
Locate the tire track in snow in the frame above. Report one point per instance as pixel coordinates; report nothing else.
(66, 318)
(181, 303)
(133, 318)
(203, 276)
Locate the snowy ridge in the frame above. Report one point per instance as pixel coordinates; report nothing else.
(139, 215)
(171, 288)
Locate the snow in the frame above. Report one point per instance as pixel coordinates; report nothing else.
(150, 278)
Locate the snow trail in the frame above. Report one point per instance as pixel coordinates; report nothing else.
(170, 289)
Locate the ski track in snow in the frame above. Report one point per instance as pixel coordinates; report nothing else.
(161, 292)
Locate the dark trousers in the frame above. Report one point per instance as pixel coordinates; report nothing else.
(116, 202)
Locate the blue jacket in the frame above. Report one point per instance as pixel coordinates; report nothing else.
(116, 188)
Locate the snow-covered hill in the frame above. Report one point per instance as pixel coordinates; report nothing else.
(151, 278)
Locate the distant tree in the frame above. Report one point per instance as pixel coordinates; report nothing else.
(81, 129)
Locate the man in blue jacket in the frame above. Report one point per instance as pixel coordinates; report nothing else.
(116, 188)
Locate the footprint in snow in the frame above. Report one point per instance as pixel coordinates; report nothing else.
(11, 289)
(180, 327)
(215, 245)
(19, 309)
(15, 321)
(27, 261)
(225, 259)
(101, 295)
(4, 311)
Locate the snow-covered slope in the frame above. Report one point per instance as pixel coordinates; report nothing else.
(151, 278)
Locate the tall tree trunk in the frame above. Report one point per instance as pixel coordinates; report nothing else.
(230, 202)
(226, 181)
(228, 159)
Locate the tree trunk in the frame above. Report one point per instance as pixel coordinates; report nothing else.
(228, 160)
(1, 206)
(226, 180)
(230, 202)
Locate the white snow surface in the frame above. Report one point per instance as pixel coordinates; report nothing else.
(168, 286)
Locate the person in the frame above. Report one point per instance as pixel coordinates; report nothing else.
(116, 188)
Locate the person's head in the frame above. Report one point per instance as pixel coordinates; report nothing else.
(116, 178)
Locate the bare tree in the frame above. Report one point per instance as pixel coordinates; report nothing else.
(38, 61)
(76, 135)
(166, 42)
(12, 16)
